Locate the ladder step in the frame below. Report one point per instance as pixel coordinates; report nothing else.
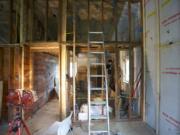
(97, 75)
(97, 88)
(99, 131)
(96, 42)
(95, 32)
(98, 102)
(98, 117)
(99, 64)
(96, 52)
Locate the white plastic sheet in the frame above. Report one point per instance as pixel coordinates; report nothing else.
(60, 128)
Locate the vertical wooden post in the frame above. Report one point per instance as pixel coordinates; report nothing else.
(116, 58)
(22, 40)
(21, 22)
(131, 60)
(30, 20)
(22, 67)
(1, 81)
(46, 21)
(63, 57)
(31, 71)
(11, 21)
(74, 59)
(142, 113)
(30, 38)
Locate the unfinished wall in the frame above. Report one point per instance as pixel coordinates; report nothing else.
(162, 52)
(9, 73)
(151, 55)
(169, 67)
(44, 74)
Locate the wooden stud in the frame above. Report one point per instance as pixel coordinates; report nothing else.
(11, 21)
(142, 103)
(30, 19)
(63, 58)
(46, 21)
(21, 22)
(131, 65)
(116, 58)
(22, 67)
(74, 59)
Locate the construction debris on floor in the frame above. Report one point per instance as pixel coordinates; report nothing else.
(40, 124)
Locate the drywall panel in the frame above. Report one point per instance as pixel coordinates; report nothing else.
(150, 62)
(169, 67)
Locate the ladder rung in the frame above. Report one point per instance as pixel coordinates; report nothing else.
(97, 88)
(97, 75)
(98, 117)
(93, 63)
(97, 52)
(98, 102)
(99, 131)
(96, 42)
(95, 32)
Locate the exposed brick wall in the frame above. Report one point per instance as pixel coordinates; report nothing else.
(10, 73)
(43, 74)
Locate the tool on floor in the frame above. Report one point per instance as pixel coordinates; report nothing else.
(19, 101)
(96, 39)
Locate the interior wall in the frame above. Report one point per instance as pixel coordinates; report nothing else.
(10, 61)
(151, 62)
(169, 67)
(162, 50)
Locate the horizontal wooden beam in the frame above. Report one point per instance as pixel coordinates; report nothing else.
(55, 45)
(9, 45)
